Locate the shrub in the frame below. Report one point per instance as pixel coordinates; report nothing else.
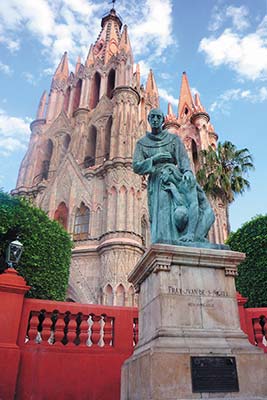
(46, 247)
(251, 239)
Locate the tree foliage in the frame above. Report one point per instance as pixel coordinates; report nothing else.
(251, 239)
(46, 247)
(223, 171)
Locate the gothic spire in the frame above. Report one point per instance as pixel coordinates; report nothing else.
(186, 103)
(170, 110)
(78, 64)
(90, 58)
(62, 71)
(109, 38)
(152, 90)
(125, 41)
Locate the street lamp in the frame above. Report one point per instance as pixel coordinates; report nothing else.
(13, 253)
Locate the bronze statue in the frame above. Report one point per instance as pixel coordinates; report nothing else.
(178, 208)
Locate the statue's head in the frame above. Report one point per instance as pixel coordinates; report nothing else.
(156, 118)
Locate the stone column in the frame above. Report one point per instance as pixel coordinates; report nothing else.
(187, 309)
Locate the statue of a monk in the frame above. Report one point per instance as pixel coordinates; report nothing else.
(179, 211)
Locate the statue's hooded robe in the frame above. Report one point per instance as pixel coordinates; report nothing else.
(160, 202)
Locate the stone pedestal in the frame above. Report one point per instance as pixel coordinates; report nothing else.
(188, 308)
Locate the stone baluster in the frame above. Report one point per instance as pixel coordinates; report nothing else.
(72, 330)
(34, 322)
(59, 330)
(257, 332)
(108, 331)
(83, 331)
(46, 328)
(95, 329)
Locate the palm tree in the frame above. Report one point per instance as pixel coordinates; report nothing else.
(223, 171)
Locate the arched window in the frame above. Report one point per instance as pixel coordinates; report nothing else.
(61, 214)
(77, 95)
(108, 295)
(111, 83)
(120, 296)
(66, 100)
(81, 223)
(95, 90)
(90, 154)
(107, 138)
(144, 231)
(47, 159)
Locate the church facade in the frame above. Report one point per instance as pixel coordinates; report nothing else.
(78, 166)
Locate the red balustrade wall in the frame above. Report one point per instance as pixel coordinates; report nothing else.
(67, 351)
(253, 322)
(73, 351)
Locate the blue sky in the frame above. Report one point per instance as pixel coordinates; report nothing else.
(222, 45)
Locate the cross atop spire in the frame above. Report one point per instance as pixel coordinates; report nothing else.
(113, 3)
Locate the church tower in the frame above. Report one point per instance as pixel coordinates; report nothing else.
(192, 124)
(78, 167)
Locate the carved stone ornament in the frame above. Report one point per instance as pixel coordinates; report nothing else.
(58, 85)
(231, 271)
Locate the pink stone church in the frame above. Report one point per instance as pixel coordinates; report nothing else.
(78, 167)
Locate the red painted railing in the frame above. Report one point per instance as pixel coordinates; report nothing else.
(75, 350)
(253, 322)
(55, 350)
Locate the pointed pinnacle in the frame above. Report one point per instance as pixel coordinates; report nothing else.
(62, 71)
(90, 58)
(78, 64)
(41, 106)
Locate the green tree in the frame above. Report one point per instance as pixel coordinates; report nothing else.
(47, 247)
(223, 172)
(251, 239)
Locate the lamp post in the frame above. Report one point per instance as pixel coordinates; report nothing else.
(13, 253)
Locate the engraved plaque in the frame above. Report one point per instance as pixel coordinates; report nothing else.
(214, 374)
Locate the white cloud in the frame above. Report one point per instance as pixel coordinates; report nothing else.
(5, 69)
(239, 17)
(14, 133)
(30, 78)
(144, 69)
(72, 25)
(220, 14)
(154, 27)
(167, 97)
(194, 91)
(224, 101)
(245, 54)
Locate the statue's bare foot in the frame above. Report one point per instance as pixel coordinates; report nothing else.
(189, 237)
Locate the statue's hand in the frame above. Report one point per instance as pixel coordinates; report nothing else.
(161, 157)
(169, 186)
